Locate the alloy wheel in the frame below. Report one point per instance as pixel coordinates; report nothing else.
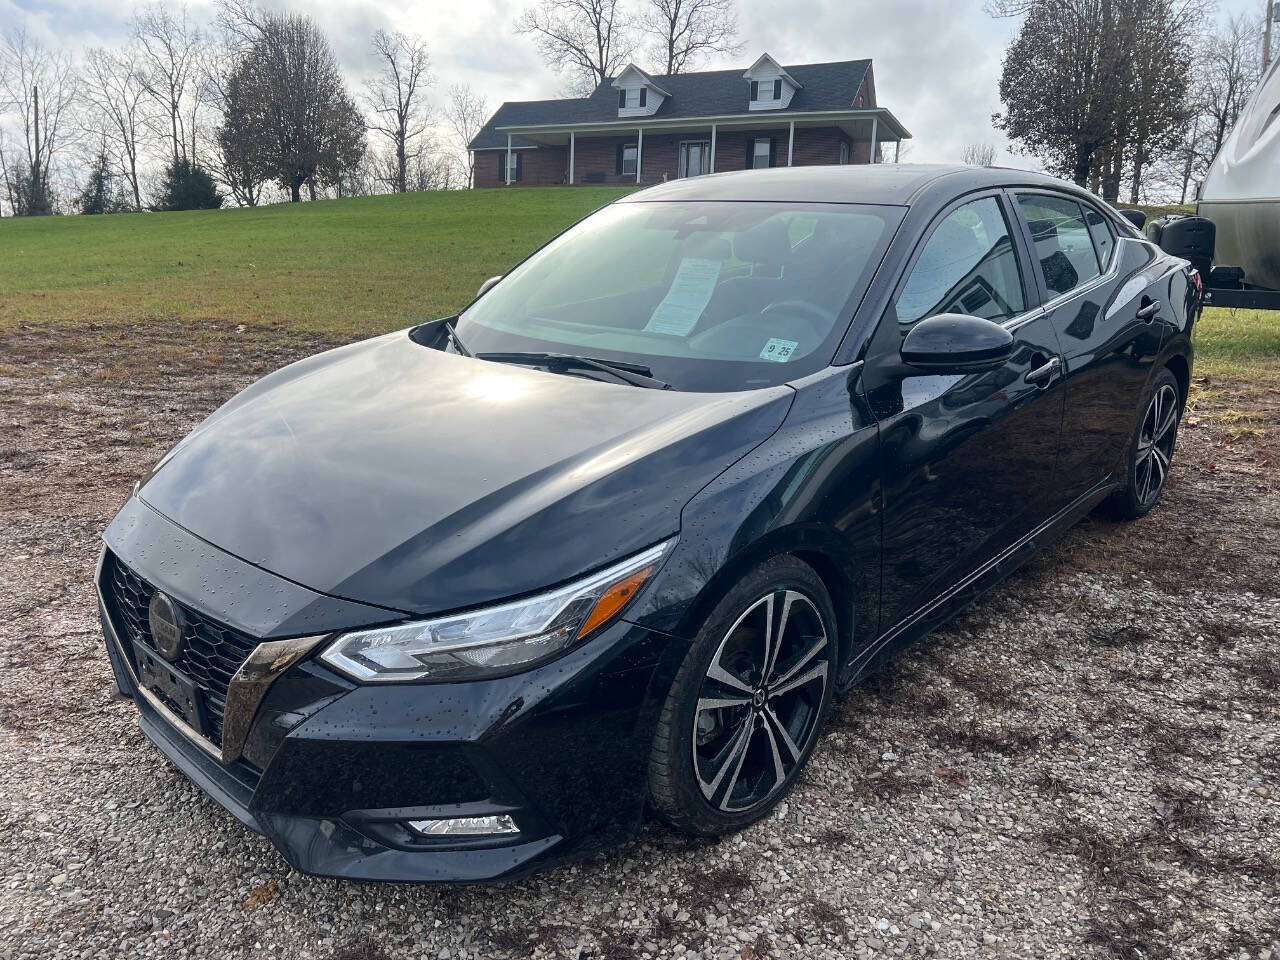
(760, 701)
(1155, 443)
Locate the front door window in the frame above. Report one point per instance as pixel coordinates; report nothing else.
(695, 158)
(967, 266)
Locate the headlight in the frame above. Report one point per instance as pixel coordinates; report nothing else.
(498, 639)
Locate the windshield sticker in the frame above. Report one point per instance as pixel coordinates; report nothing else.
(690, 292)
(777, 350)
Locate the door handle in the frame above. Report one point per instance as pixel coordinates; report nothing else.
(1149, 310)
(1041, 376)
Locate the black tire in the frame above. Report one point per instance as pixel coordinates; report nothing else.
(780, 719)
(1150, 455)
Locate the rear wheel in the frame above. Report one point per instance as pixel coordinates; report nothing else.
(1150, 452)
(748, 702)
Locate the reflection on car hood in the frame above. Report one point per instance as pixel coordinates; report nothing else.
(393, 474)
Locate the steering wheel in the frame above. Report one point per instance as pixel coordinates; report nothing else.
(819, 320)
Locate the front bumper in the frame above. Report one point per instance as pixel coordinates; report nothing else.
(331, 771)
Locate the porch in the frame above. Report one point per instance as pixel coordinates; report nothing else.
(656, 150)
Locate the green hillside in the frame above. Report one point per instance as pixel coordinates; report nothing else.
(339, 267)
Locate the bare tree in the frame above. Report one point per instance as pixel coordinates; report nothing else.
(115, 88)
(683, 32)
(40, 86)
(466, 114)
(394, 96)
(586, 40)
(14, 177)
(978, 155)
(436, 168)
(1226, 76)
(287, 99)
(169, 54)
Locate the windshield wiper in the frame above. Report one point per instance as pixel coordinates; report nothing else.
(633, 373)
(457, 341)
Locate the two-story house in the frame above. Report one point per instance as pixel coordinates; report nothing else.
(637, 128)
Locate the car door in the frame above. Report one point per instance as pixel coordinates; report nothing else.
(1105, 323)
(966, 460)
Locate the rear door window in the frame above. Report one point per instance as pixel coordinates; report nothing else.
(1063, 244)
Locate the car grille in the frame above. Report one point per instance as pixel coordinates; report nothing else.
(211, 655)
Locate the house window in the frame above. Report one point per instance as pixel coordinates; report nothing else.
(644, 96)
(622, 99)
(755, 89)
(761, 154)
(844, 153)
(517, 167)
(777, 89)
(627, 156)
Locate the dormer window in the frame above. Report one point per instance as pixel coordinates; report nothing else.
(638, 95)
(633, 99)
(772, 88)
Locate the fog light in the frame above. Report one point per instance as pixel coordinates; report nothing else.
(466, 826)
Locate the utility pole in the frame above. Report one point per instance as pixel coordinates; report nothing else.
(34, 203)
(1266, 37)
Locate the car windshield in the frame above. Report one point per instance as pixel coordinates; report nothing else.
(708, 296)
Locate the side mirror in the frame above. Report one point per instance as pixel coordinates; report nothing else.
(484, 287)
(1136, 217)
(956, 343)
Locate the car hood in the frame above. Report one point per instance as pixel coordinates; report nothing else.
(393, 474)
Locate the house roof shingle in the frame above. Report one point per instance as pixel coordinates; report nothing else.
(711, 93)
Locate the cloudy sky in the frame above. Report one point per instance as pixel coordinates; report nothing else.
(937, 62)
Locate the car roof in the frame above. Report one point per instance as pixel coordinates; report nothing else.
(878, 183)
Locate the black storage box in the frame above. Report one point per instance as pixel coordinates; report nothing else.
(1191, 238)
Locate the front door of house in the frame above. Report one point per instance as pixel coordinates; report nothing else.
(695, 158)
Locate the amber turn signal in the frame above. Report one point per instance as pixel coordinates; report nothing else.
(614, 599)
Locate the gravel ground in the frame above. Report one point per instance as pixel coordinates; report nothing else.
(1086, 764)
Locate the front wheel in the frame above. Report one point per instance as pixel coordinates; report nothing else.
(748, 703)
(1150, 452)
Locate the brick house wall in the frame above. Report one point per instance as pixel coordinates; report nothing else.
(542, 167)
(596, 158)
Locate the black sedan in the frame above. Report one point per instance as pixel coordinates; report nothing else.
(460, 601)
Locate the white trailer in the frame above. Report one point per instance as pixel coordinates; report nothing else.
(1241, 195)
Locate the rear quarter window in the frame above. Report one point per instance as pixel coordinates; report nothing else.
(1104, 238)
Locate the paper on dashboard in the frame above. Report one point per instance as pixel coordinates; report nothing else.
(691, 290)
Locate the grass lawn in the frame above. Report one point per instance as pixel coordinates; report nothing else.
(344, 268)
(351, 268)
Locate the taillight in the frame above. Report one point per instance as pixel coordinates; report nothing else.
(1198, 282)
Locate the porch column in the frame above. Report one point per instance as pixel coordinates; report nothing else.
(713, 148)
(571, 158)
(875, 136)
(897, 150)
(508, 159)
(791, 144)
(639, 152)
